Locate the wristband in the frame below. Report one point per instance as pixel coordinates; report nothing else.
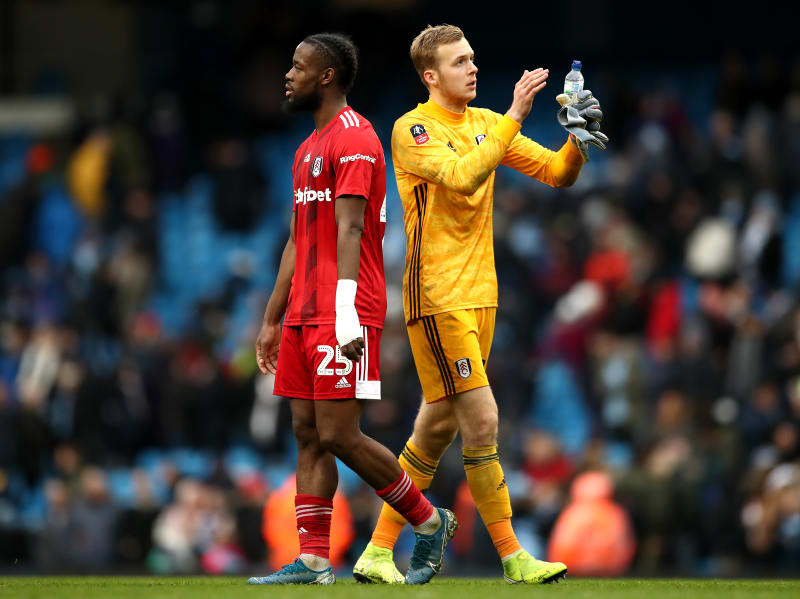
(346, 293)
(348, 327)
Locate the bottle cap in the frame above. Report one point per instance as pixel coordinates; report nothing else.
(576, 65)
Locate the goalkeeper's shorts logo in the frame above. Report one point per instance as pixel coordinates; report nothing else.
(464, 368)
(480, 138)
(419, 134)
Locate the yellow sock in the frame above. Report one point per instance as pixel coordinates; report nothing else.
(488, 485)
(420, 468)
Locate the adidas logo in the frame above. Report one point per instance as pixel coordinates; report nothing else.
(302, 531)
(502, 484)
(343, 384)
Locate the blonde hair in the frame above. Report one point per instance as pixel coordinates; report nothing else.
(423, 48)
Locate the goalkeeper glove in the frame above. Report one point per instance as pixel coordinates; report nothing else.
(582, 120)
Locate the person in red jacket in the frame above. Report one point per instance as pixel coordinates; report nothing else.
(593, 534)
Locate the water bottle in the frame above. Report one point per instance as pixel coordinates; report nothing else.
(573, 82)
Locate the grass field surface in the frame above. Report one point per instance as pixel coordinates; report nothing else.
(461, 588)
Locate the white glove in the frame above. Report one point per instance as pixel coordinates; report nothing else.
(347, 325)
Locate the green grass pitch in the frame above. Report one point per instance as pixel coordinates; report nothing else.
(460, 588)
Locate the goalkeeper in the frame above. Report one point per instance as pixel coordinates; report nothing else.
(445, 156)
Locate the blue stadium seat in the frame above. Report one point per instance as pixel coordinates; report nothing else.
(57, 212)
(559, 407)
(120, 487)
(195, 463)
(791, 245)
(13, 151)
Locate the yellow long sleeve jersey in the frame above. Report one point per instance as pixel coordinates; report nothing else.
(444, 163)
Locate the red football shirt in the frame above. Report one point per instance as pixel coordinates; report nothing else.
(345, 158)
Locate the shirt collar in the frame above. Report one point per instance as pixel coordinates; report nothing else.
(442, 113)
(333, 121)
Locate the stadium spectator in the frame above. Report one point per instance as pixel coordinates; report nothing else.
(593, 534)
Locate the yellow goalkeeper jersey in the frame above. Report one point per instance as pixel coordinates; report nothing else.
(444, 163)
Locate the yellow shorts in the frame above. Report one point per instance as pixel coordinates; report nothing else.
(451, 349)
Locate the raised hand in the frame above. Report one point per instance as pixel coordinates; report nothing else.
(525, 91)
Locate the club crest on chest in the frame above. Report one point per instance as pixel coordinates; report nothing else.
(316, 166)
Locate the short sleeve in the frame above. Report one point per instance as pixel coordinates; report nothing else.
(354, 163)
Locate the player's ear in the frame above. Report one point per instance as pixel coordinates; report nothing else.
(430, 76)
(327, 75)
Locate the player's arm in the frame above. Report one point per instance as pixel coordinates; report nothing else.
(430, 157)
(349, 211)
(557, 169)
(269, 338)
(434, 161)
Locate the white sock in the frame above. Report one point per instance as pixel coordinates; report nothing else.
(510, 555)
(431, 525)
(315, 562)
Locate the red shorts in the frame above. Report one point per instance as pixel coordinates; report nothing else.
(310, 365)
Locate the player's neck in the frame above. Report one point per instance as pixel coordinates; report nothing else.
(328, 111)
(451, 104)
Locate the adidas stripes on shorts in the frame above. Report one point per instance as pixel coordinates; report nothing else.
(311, 366)
(451, 349)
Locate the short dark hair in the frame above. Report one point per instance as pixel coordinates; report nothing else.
(341, 54)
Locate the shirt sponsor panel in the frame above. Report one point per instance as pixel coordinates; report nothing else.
(354, 157)
(304, 196)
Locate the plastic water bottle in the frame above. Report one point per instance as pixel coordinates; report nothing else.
(573, 82)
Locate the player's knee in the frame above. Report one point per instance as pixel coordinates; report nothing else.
(335, 446)
(439, 435)
(481, 431)
(305, 433)
(334, 441)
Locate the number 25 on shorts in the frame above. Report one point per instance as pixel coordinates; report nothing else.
(323, 370)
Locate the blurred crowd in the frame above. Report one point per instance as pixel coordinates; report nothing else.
(646, 358)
